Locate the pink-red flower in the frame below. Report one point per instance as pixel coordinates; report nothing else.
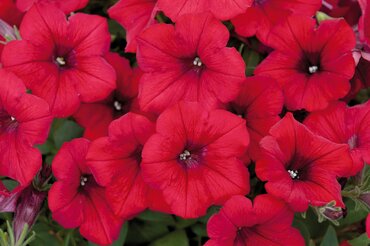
(193, 158)
(188, 61)
(267, 222)
(115, 161)
(67, 6)
(260, 102)
(346, 125)
(300, 167)
(222, 10)
(312, 64)
(62, 60)
(24, 122)
(96, 117)
(134, 16)
(265, 14)
(76, 200)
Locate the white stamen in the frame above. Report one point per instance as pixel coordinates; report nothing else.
(185, 155)
(83, 181)
(313, 69)
(12, 118)
(117, 105)
(293, 174)
(352, 142)
(60, 61)
(197, 62)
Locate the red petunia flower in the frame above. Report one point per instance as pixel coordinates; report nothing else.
(348, 125)
(193, 158)
(115, 161)
(188, 62)
(24, 122)
(260, 102)
(265, 14)
(301, 167)
(222, 10)
(96, 117)
(134, 16)
(348, 9)
(267, 222)
(76, 200)
(67, 6)
(62, 61)
(312, 64)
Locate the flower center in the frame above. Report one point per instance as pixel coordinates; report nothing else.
(60, 61)
(352, 142)
(185, 155)
(117, 105)
(197, 62)
(191, 158)
(313, 69)
(293, 174)
(83, 180)
(7, 122)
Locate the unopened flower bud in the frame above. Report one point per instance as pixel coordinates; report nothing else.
(28, 208)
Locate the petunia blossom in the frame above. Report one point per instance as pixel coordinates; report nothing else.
(193, 158)
(115, 161)
(24, 122)
(259, 19)
(267, 222)
(134, 16)
(260, 102)
(190, 62)
(96, 117)
(67, 6)
(62, 60)
(300, 167)
(312, 64)
(76, 200)
(221, 9)
(346, 125)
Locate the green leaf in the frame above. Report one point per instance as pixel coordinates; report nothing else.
(44, 236)
(360, 241)
(10, 184)
(140, 232)
(252, 59)
(177, 238)
(46, 148)
(302, 227)
(184, 223)
(356, 211)
(67, 131)
(330, 237)
(200, 230)
(148, 215)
